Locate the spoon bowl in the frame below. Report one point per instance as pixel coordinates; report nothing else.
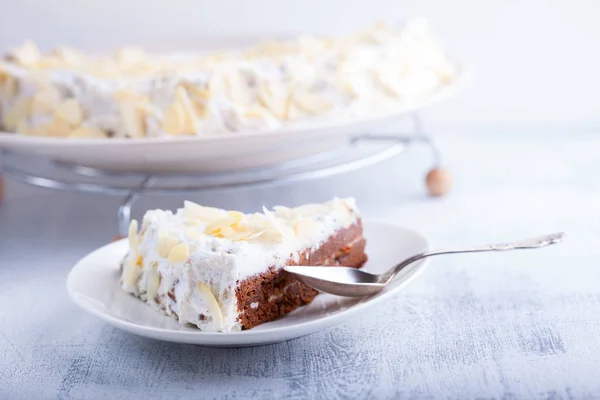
(340, 281)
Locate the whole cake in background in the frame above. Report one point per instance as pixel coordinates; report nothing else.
(134, 94)
(222, 270)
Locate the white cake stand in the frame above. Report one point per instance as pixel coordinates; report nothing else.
(360, 151)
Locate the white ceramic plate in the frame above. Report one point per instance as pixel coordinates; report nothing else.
(93, 286)
(228, 152)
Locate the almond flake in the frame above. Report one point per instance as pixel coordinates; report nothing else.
(88, 132)
(211, 303)
(132, 119)
(305, 227)
(45, 102)
(272, 235)
(55, 128)
(255, 111)
(227, 232)
(134, 239)
(220, 224)
(152, 283)
(27, 55)
(255, 235)
(193, 210)
(237, 215)
(166, 243)
(311, 103)
(241, 227)
(240, 235)
(131, 271)
(129, 55)
(69, 111)
(197, 91)
(274, 98)
(9, 86)
(69, 56)
(179, 253)
(189, 109)
(17, 113)
(238, 89)
(277, 224)
(174, 120)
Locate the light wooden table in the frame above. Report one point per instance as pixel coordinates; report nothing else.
(514, 325)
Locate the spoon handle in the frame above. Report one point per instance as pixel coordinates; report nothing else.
(534, 243)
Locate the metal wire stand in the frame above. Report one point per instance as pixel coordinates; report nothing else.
(58, 175)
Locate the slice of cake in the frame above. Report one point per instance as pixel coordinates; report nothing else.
(222, 270)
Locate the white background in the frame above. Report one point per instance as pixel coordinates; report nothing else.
(533, 63)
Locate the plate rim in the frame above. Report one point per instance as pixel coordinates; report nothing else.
(241, 338)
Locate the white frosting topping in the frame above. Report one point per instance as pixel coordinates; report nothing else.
(135, 94)
(218, 249)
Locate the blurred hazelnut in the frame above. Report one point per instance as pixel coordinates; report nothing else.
(439, 182)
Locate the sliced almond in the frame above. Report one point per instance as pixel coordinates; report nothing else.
(134, 238)
(255, 235)
(27, 55)
(274, 98)
(311, 103)
(386, 81)
(272, 235)
(305, 227)
(219, 224)
(188, 108)
(212, 304)
(55, 128)
(237, 215)
(227, 231)
(67, 55)
(152, 283)
(218, 84)
(16, 114)
(241, 226)
(129, 55)
(124, 95)
(193, 210)
(88, 132)
(133, 119)
(45, 102)
(277, 225)
(69, 111)
(243, 235)
(131, 271)
(255, 111)
(238, 89)
(174, 120)
(198, 91)
(166, 243)
(9, 86)
(179, 253)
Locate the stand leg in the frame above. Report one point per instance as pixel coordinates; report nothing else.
(438, 180)
(2, 189)
(2, 192)
(124, 213)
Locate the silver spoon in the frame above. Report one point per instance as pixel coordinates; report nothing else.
(350, 282)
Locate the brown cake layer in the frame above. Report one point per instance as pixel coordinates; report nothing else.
(276, 293)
